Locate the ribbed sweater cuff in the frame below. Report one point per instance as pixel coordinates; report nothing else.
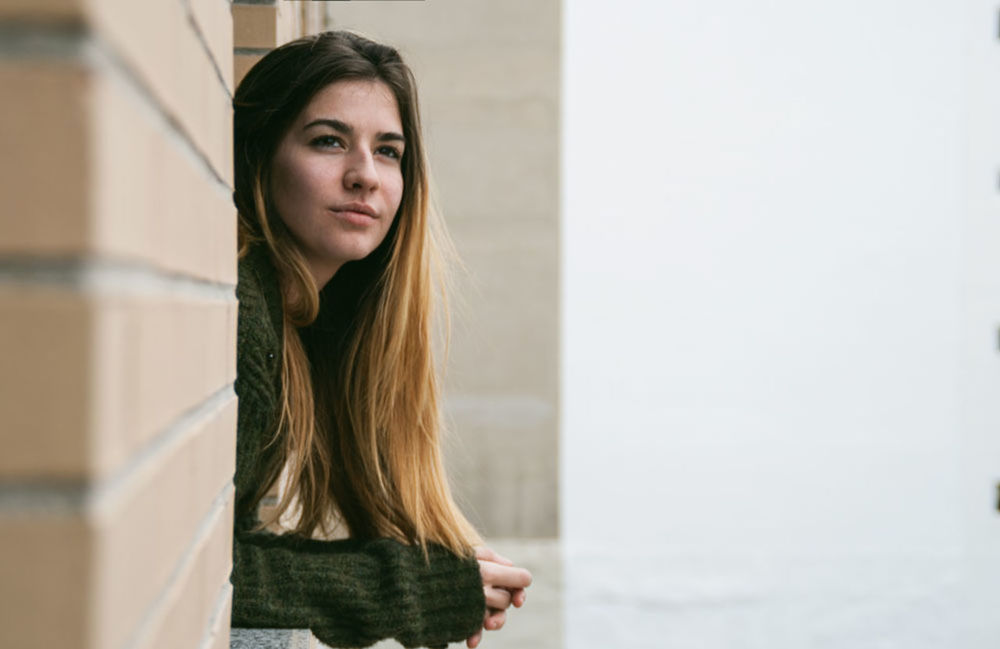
(353, 593)
(430, 603)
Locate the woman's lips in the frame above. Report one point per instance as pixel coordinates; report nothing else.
(355, 213)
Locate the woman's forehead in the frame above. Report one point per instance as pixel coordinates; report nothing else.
(368, 102)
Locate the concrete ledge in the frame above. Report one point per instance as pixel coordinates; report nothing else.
(288, 639)
(268, 639)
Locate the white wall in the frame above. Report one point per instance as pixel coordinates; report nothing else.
(777, 346)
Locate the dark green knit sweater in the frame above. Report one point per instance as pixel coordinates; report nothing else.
(350, 593)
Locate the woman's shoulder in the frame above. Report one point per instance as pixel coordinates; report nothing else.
(257, 287)
(260, 319)
(259, 292)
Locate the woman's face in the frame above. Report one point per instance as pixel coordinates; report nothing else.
(336, 177)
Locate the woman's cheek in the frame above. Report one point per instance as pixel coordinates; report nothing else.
(397, 192)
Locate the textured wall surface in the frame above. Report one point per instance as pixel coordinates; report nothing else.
(117, 323)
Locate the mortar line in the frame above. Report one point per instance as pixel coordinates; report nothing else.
(73, 41)
(70, 497)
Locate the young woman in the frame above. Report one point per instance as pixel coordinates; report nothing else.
(338, 397)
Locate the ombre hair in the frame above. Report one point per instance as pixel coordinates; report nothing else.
(359, 428)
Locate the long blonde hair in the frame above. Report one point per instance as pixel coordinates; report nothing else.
(359, 427)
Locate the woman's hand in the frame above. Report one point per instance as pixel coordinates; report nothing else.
(503, 584)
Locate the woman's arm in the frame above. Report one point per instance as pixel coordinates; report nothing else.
(354, 593)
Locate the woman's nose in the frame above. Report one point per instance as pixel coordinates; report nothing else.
(361, 173)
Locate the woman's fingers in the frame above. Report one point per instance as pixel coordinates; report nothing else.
(503, 585)
(498, 598)
(494, 619)
(509, 577)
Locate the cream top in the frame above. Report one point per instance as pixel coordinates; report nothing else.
(336, 528)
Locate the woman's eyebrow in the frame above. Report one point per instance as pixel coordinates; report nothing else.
(391, 136)
(335, 124)
(347, 129)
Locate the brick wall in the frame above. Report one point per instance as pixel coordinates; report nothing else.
(261, 25)
(117, 323)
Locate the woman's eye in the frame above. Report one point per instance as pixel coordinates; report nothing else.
(390, 151)
(326, 142)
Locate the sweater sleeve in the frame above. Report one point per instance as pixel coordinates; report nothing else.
(350, 593)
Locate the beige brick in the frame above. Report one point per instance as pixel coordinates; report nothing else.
(218, 636)
(242, 64)
(144, 530)
(187, 221)
(122, 185)
(44, 568)
(154, 359)
(186, 615)
(156, 39)
(215, 22)
(125, 367)
(100, 570)
(44, 188)
(45, 343)
(39, 9)
(255, 26)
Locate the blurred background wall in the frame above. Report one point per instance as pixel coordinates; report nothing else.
(780, 324)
